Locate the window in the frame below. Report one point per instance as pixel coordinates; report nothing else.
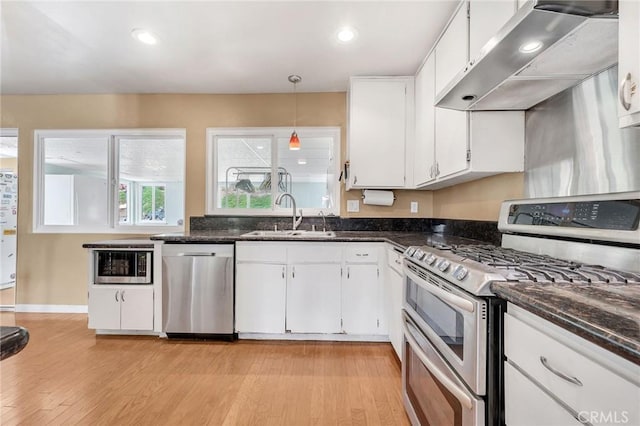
(248, 168)
(109, 181)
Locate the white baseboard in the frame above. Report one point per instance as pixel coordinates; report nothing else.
(59, 309)
(314, 336)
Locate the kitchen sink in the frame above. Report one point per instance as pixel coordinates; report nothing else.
(291, 234)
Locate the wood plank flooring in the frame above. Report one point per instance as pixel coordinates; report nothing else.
(66, 375)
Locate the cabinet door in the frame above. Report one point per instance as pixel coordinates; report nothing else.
(629, 58)
(527, 405)
(104, 308)
(313, 298)
(451, 141)
(260, 298)
(361, 299)
(487, 18)
(136, 308)
(393, 303)
(452, 49)
(377, 132)
(423, 167)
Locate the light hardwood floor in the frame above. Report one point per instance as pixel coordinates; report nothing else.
(66, 375)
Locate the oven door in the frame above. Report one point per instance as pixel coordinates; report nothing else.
(432, 393)
(454, 321)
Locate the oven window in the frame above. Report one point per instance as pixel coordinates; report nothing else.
(433, 404)
(122, 264)
(444, 320)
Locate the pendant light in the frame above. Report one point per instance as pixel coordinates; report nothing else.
(294, 142)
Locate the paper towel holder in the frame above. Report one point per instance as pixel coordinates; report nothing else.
(395, 197)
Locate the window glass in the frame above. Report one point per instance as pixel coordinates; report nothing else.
(109, 180)
(309, 172)
(248, 169)
(75, 181)
(244, 173)
(151, 173)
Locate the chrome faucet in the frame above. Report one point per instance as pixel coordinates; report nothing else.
(296, 221)
(324, 222)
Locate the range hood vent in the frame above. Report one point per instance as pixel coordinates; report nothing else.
(579, 39)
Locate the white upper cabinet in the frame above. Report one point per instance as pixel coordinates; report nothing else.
(423, 159)
(486, 19)
(380, 112)
(452, 51)
(629, 63)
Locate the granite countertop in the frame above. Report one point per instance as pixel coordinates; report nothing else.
(130, 243)
(605, 314)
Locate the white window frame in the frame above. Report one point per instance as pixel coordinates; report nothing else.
(273, 133)
(141, 186)
(113, 226)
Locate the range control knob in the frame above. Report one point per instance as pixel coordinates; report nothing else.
(460, 272)
(419, 254)
(443, 265)
(430, 258)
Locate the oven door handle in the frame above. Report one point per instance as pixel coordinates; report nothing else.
(464, 399)
(457, 301)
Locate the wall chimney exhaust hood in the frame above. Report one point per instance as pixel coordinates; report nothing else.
(545, 48)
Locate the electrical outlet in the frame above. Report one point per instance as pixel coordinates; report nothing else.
(414, 207)
(353, 206)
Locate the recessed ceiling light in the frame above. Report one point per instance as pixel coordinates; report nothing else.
(531, 46)
(346, 35)
(302, 161)
(143, 36)
(259, 147)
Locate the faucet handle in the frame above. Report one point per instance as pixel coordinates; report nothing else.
(298, 220)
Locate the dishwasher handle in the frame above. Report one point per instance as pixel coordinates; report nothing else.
(195, 254)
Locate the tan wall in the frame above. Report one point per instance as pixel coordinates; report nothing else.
(479, 199)
(52, 268)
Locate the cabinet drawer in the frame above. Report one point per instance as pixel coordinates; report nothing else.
(601, 389)
(261, 252)
(361, 253)
(528, 405)
(394, 260)
(314, 253)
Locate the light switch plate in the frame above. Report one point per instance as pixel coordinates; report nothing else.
(414, 207)
(353, 206)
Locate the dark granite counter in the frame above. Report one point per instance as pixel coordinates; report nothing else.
(111, 244)
(605, 314)
(397, 238)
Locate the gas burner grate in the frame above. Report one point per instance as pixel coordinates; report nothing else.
(518, 266)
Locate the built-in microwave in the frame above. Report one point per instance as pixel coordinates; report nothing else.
(123, 266)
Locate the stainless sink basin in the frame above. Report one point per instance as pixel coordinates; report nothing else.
(291, 234)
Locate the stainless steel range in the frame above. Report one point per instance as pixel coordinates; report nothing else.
(452, 370)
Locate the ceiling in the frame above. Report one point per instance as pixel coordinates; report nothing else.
(52, 47)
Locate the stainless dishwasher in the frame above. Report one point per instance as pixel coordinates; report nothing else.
(197, 291)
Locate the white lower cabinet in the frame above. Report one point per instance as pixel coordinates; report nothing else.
(121, 307)
(313, 288)
(590, 384)
(394, 281)
(260, 297)
(361, 299)
(313, 298)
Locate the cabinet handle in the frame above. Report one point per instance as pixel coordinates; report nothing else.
(348, 272)
(355, 180)
(122, 296)
(118, 291)
(560, 374)
(293, 272)
(621, 92)
(283, 272)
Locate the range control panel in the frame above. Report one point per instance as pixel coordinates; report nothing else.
(622, 215)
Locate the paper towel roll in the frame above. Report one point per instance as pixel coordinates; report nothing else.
(378, 198)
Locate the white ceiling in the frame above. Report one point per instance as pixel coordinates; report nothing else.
(51, 47)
